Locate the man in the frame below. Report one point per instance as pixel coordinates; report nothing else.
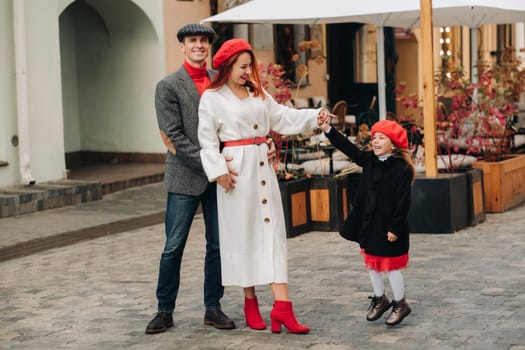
(176, 101)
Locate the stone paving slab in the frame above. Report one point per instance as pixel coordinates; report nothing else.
(466, 290)
(20, 200)
(129, 203)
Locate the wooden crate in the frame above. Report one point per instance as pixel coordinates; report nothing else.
(296, 198)
(475, 192)
(503, 183)
(329, 205)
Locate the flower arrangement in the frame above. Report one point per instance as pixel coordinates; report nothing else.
(273, 82)
(479, 113)
(473, 118)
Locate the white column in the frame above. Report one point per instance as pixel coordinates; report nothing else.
(520, 42)
(241, 31)
(474, 54)
(26, 177)
(381, 79)
(520, 45)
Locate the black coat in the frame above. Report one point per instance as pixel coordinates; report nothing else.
(381, 203)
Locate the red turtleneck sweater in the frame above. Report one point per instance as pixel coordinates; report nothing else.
(199, 76)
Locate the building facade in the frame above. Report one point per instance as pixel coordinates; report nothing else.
(77, 77)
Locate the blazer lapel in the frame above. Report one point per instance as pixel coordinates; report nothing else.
(188, 85)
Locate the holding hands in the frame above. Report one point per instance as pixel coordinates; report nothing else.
(228, 181)
(323, 119)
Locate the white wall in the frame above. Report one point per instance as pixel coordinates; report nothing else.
(118, 59)
(44, 91)
(8, 121)
(72, 139)
(106, 98)
(152, 8)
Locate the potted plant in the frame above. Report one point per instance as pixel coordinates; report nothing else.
(440, 204)
(480, 114)
(479, 118)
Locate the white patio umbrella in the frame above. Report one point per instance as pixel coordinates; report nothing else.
(317, 12)
(381, 13)
(474, 14)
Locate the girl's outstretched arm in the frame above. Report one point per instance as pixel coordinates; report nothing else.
(344, 145)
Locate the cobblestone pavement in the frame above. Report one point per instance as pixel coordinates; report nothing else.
(466, 290)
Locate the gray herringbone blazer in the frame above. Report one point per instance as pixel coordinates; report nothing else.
(177, 106)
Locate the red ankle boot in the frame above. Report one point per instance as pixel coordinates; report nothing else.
(252, 314)
(282, 313)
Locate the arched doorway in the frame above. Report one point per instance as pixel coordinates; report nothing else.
(111, 59)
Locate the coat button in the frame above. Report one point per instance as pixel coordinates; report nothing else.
(266, 220)
(263, 183)
(264, 201)
(255, 126)
(261, 163)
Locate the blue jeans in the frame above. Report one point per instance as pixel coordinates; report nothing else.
(180, 211)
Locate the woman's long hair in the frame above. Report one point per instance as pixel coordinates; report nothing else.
(253, 84)
(406, 155)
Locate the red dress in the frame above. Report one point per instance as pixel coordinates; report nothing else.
(384, 263)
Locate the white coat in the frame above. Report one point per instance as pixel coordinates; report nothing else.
(251, 220)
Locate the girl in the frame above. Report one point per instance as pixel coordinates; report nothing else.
(236, 113)
(378, 222)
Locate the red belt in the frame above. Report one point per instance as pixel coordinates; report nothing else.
(244, 142)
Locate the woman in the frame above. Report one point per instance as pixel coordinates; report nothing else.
(236, 114)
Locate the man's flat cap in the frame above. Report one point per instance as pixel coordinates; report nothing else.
(195, 29)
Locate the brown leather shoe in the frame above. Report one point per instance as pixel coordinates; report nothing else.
(218, 319)
(159, 323)
(400, 310)
(378, 306)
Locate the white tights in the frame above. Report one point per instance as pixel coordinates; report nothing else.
(396, 282)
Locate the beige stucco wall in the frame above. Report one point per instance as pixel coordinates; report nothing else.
(317, 82)
(407, 68)
(176, 15)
